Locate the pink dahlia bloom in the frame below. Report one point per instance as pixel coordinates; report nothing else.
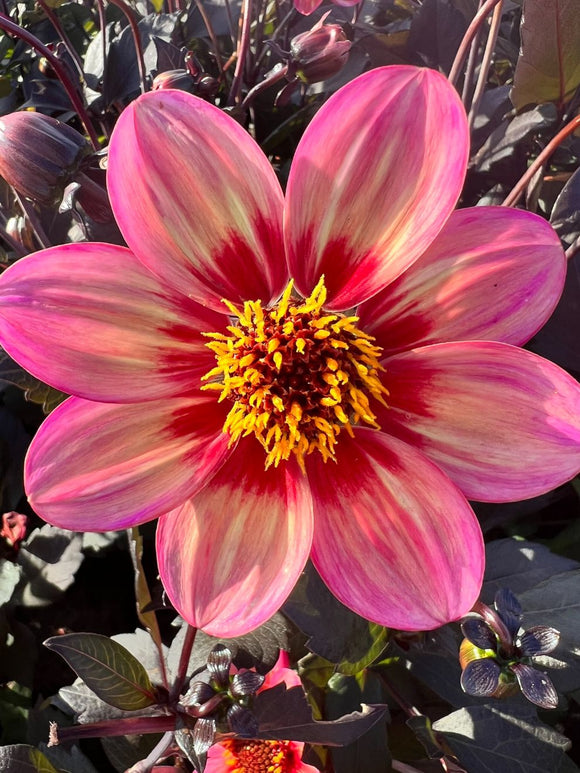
(240, 755)
(345, 416)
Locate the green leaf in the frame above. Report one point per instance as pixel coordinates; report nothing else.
(107, 668)
(21, 758)
(488, 739)
(548, 69)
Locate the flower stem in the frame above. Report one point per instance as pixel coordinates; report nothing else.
(112, 727)
(55, 21)
(476, 23)
(147, 765)
(183, 666)
(471, 62)
(485, 62)
(242, 52)
(9, 26)
(513, 197)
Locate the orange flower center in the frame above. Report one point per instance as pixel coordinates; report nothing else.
(297, 375)
(260, 756)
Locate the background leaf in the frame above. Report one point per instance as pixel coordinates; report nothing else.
(487, 739)
(21, 758)
(550, 33)
(107, 668)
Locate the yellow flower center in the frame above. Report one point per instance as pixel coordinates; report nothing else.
(296, 374)
(260, 756)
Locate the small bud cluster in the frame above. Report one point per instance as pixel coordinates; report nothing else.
(497, 653)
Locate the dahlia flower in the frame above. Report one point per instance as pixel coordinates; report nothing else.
(326, 374)
(240, 755)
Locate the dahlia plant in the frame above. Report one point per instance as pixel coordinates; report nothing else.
(328, 373)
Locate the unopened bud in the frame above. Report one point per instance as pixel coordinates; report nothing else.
(319, 53)
(39, 155)
(174, 79)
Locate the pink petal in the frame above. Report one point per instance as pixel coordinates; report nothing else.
(375, 176)
(394, 539)
(196, 199)
(98, 466)
(503, 423)
(306, 7)
(493, 273)
(91, 320)
(229, 558)
(281, 672)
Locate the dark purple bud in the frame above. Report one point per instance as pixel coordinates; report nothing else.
(198, 693)
(539, 640)
(242, 722)
(481, 677)
(218, 663)
(319, 53)
(39, 155)
(203, 735)
(246, 683)
(479, 633)
(174, 79)
(536, 686)
(509, 609)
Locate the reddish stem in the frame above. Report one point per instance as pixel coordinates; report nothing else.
(112, 727)
(15, 29)
(242, 52)
(188, 643)
(513, 197)
(476, 23)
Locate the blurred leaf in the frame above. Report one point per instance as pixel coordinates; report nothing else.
(15, 704)
(124, 751)
(142, 595)
(334, 632)
(487, 738)
(107, 668)
(258, 649)
(69, 760)
(9, 577)
(370, 753)
(34, 390)
(556, 602)
(550, 34)
(565, 217)
(286, 715)
(436, 32)
(49, 558)
(24, 759)
(502, 143)
(558, 340)
(519, 565)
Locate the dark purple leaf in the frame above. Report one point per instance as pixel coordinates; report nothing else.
(242, 721)
(481, 677)
(536, 686)
(565, 216)
(286, 715)
(479, 633)
(436, 32)
(539, 640)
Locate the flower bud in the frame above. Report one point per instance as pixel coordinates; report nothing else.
(14, 528)
(39, 155)
(319, 53)
(174, 79)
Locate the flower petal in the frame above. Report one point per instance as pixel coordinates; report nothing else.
(481, 677)
(306, 7)
(536, 686)
(91, 320)
(493, 273)
(99, 466)
(503, 423)
(229, 558)
(196, 199)
(281, 672)
(394, 539)
(375, 176)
